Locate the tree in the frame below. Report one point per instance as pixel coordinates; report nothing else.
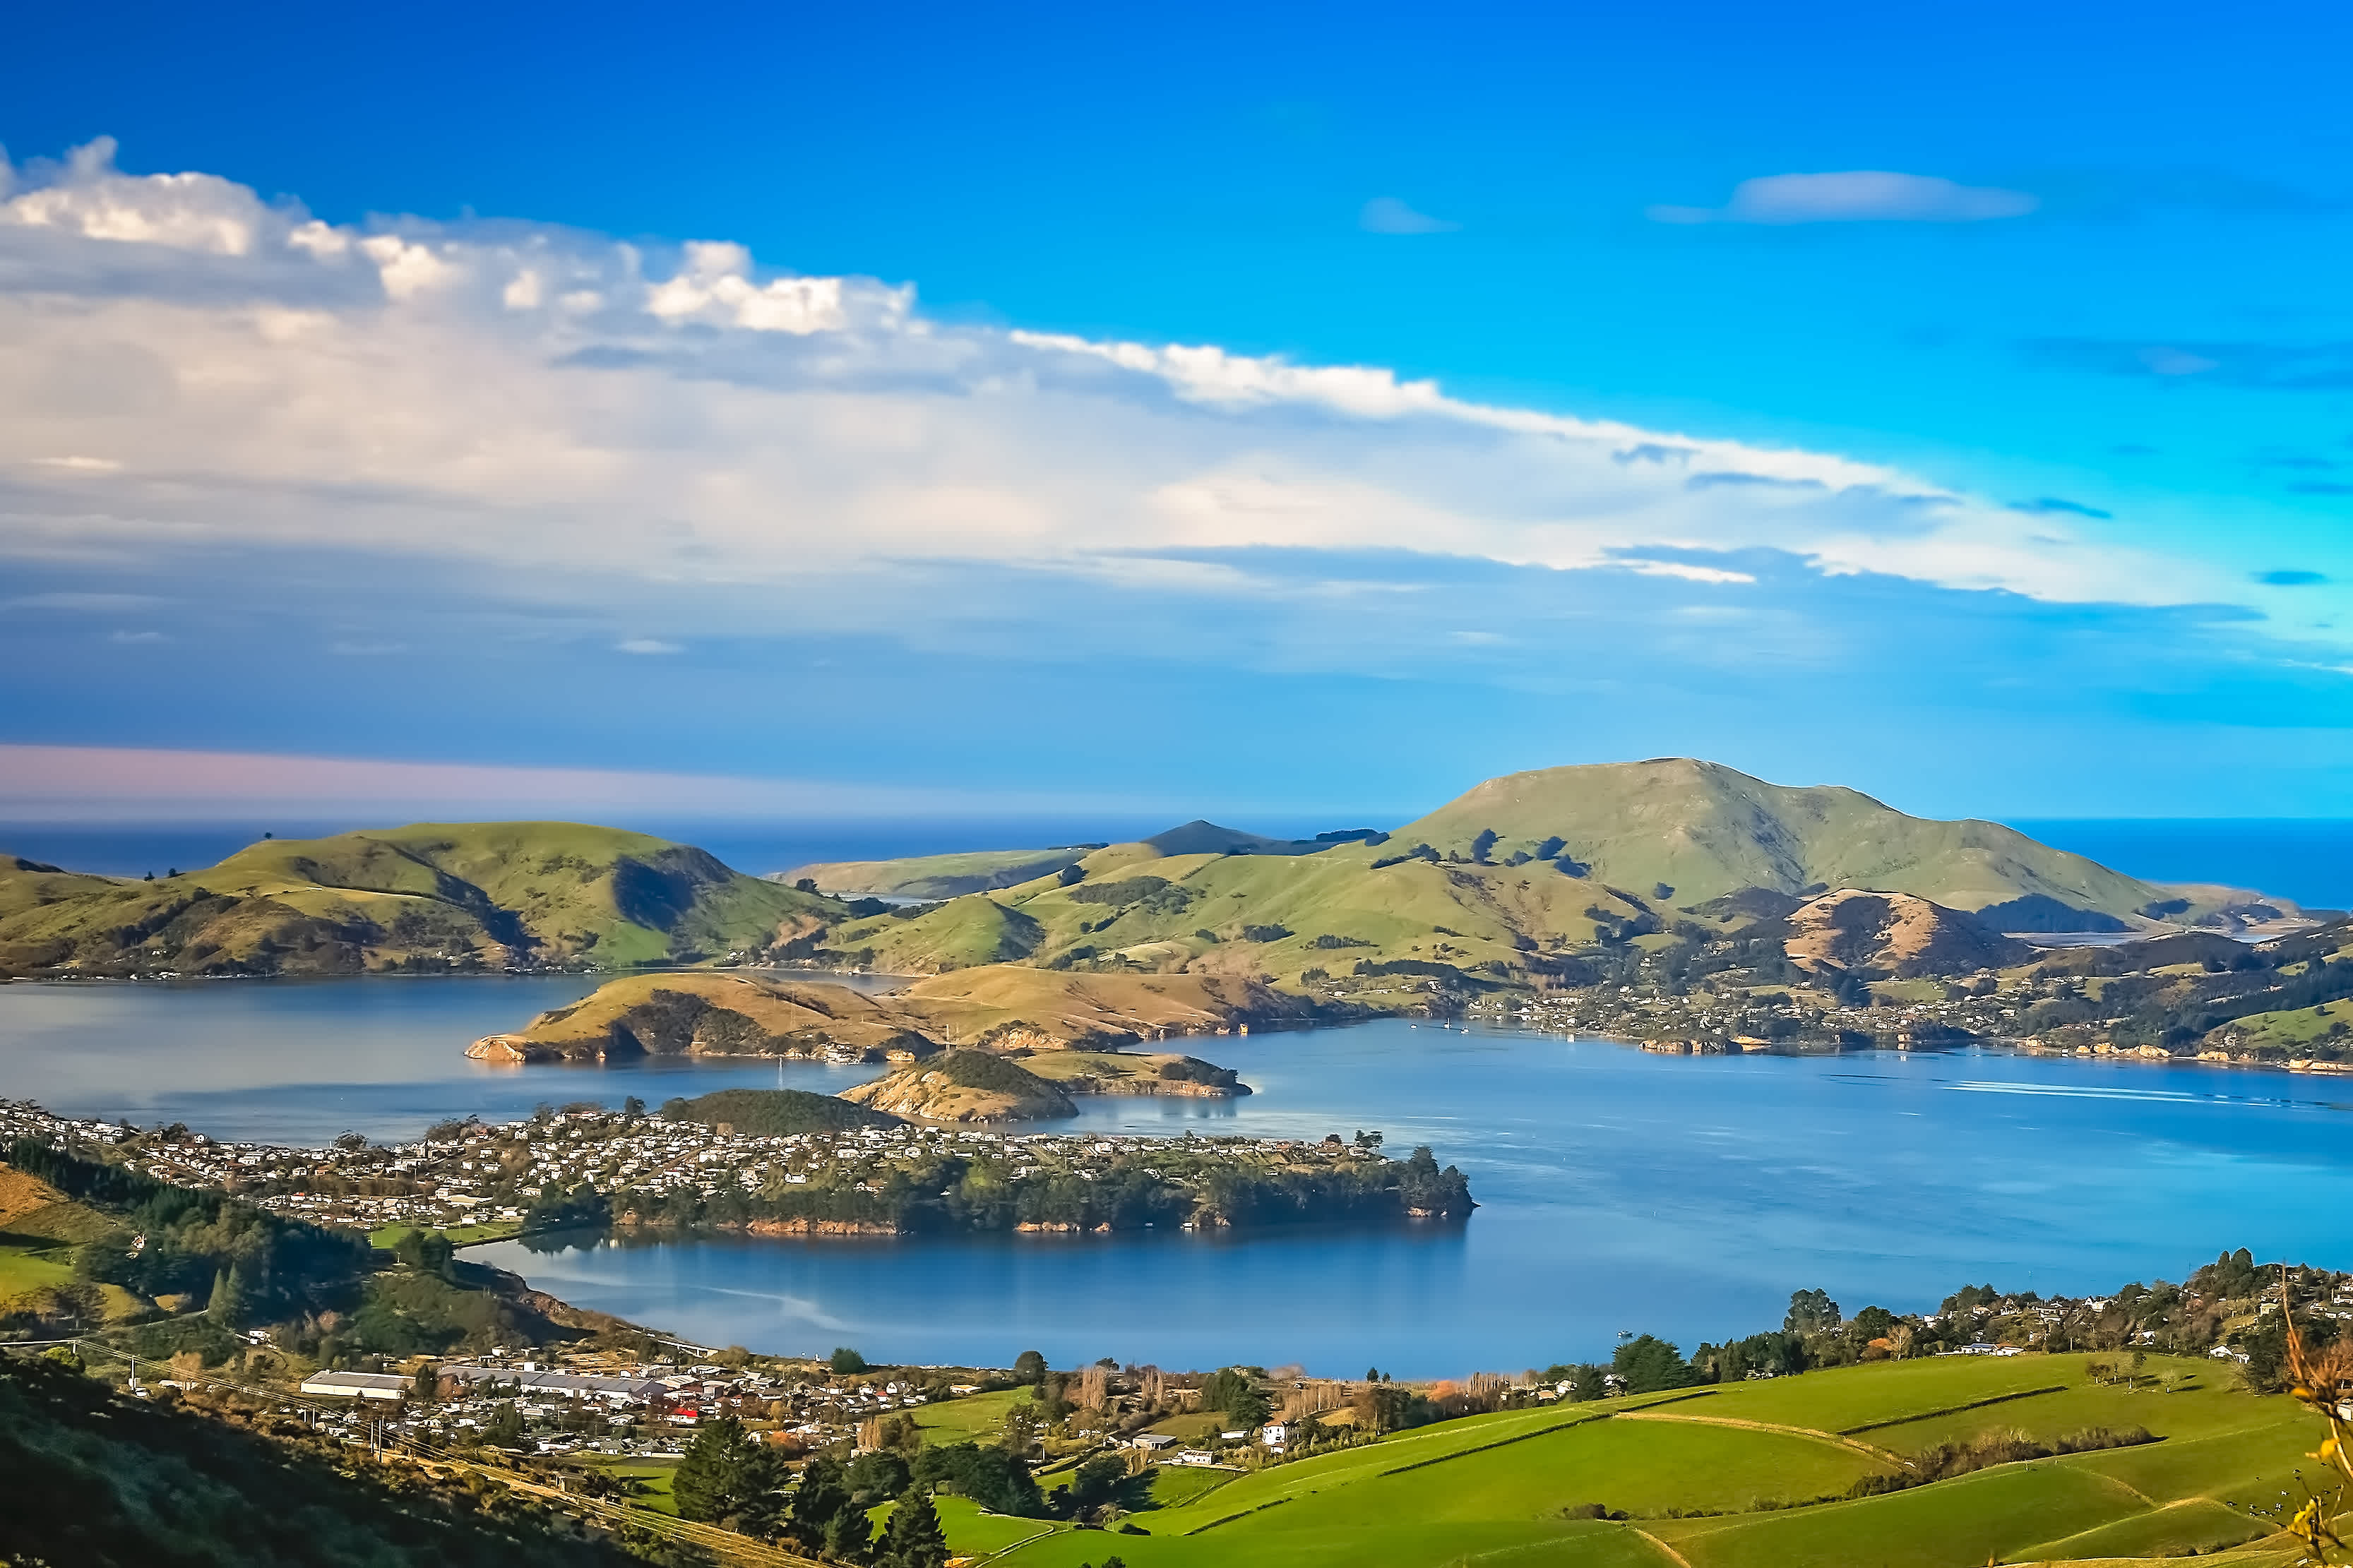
(1811, 1312)
(805, 885)
(424, 1381)
(633, 1106)
(505, 1430)
(1029, 1367)
(1234, 1391)
(821, 1496)
(848, 1362)
(230, 1299)
(729, 1477)
(876, 1477)
(994, 1479)
(1872, 1323)
(1096, 1482)
(1648, 1364)
(913, 1538)
(847, 1533)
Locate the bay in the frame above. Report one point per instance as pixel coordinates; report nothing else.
(1621, 1190)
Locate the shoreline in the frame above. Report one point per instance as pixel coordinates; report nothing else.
(2144, 1056)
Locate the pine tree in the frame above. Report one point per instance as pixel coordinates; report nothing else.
(847, 1533)
(913, 1539)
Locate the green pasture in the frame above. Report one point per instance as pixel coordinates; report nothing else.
(974, 1417)
(388, 1236)
(652, 1477)
(1175, 1485)
(24, 1269)
(1744, 1466)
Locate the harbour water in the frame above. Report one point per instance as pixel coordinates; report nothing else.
(1621, 1191)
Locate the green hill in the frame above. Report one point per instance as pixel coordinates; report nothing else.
(429, 896)
(1770, 1473)
(935, 876)
(1510, 881)
(1705, 830)
(776, 1112)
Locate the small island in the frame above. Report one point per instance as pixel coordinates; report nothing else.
(1027, 1048)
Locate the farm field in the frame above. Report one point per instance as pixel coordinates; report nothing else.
(1755, 1475)
(976, 1417)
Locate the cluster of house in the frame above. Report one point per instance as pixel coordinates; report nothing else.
(470, 1172)
(598, 1402)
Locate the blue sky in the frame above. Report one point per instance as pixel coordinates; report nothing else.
(1959, 406)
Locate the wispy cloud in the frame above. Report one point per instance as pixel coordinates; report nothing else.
(651, 645)
(2046, 505)
(1387, 215)
(50, 783)
(1855, 196)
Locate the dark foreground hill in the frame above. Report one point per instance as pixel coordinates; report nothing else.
(95, 1478)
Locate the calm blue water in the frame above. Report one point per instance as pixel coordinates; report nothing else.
(1622, 1191)
(2309, 860)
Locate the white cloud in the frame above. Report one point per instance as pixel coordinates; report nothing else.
(70, 782)
(1856, 195)
(521, 397)
(651, 646)
(1387, 215)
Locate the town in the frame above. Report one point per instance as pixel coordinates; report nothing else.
(587, 1164)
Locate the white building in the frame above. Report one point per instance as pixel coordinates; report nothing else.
(382, 1385)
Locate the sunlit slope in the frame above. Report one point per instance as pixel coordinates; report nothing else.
(1068, 1010)
(1254, 914)
(934, 876)
(1705, 829)
(1760, 1473)
(710, 1013)
(456, 893)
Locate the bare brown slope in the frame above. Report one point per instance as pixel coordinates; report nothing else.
(1895, 934)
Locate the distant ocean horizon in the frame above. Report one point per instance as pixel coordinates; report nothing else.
(2307, 859)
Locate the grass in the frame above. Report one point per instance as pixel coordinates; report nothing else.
(1175, 1485)
(2288, 1031)
(1497, 1490)
(937, 876)
(974, 1417)
(653, 1477)
(27, 1268)
(387, 1237)
(575, 890)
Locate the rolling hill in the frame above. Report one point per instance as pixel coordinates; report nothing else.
(429, 896)
(1520, 872)
(1705, 830)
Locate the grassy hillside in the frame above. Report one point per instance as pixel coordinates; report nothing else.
(935, 876)
(710, 1015)
(1705, 830)
(432, 895)
(1011, 1005)
(973, 930)
(1760, 1474)
(1262, 915)
(776, 1112)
